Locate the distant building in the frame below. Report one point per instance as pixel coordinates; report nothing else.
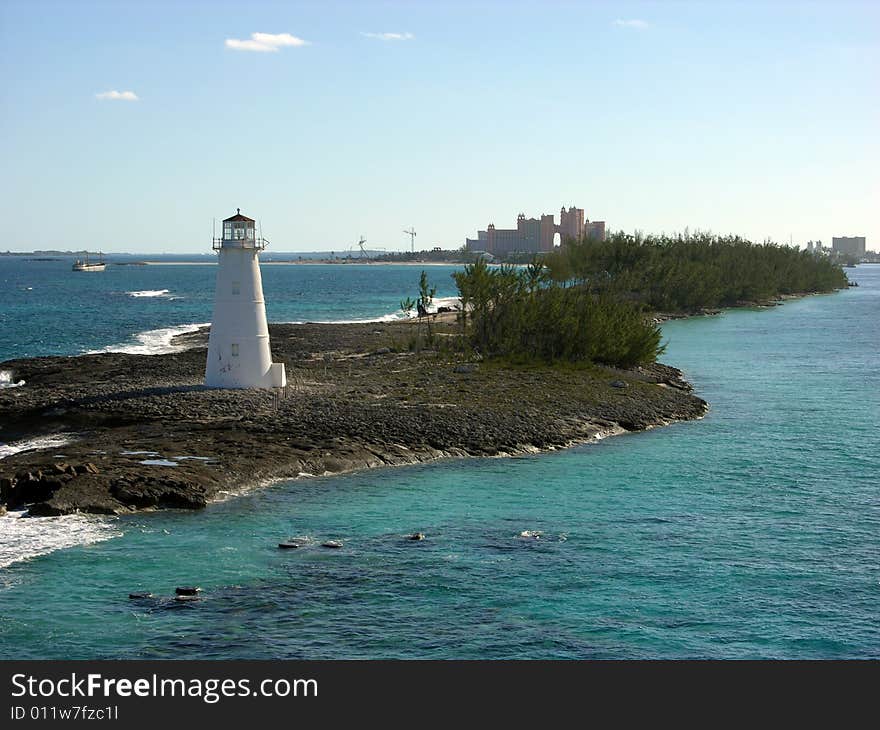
(848, 245)
(484, 255)
(571, 224)
(534, 235)
(596, 230)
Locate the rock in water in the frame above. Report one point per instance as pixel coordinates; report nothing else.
(288, 545)
(416, 536)
(136, 596)
(331, 544)
(187, 590)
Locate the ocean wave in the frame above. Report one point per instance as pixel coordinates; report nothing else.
(6, 380)
(150, 293)
(37, 444)
(159, 341)
(393, 317)
(451, 302)
(22, 538)
(153, 342)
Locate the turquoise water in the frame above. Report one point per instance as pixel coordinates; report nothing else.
(46, 309)
(752, 533)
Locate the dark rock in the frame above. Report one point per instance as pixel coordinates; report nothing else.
(342, 412)
(632, 425)
(28, 488)
(331, 544)
(382, 351)
(187, 590)
(136, 596)
(416, 536)
(7, 484)
(2, 509)
(44, 509)
(86, 493)
(619, 384)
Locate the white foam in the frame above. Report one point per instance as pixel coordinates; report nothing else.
(153, 342)
(393, 317)
(37, 444)
(149, 293)
(159, 341)
(6, 380)
(451, 302)
(225, 494)
(22, 538)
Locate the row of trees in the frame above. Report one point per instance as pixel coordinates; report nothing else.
(690, 271)
(519, 313)
(589, 300)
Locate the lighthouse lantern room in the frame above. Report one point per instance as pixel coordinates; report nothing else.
(238, 347)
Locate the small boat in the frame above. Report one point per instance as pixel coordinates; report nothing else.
(86, 265)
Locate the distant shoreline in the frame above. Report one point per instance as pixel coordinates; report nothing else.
(313, 262)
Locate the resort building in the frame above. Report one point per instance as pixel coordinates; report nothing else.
(848, 245)
(534, 235)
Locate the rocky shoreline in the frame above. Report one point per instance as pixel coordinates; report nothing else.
(142, 433)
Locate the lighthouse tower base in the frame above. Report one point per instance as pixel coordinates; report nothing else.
(275, 377)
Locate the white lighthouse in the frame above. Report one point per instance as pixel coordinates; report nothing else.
(238, 348)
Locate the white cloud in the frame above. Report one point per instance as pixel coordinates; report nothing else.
(265, 42)
(118, 95)
(390, 36)
(634, 23)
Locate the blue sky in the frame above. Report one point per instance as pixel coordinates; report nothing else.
(754, 118)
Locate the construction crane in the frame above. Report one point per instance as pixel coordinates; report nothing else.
(360, 245)
(412, 238)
